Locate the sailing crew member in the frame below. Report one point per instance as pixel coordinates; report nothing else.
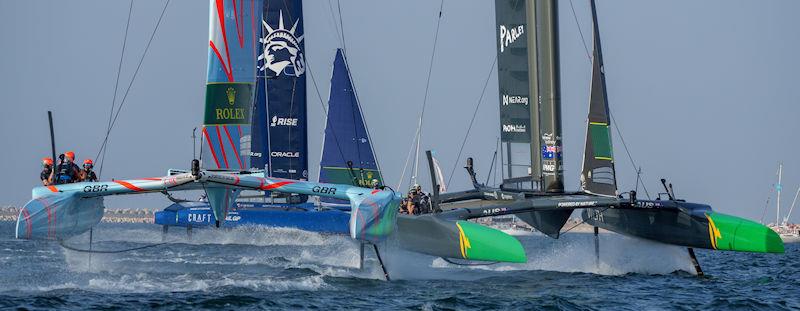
(66, 171)
(414, 200)
(87, 174)
(376, 184)
(47, 172)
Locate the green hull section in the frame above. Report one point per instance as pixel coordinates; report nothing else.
(738, 234)
(432, 235)
(478, 242)
(691, 225)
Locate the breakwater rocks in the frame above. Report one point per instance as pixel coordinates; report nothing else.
(116, 215)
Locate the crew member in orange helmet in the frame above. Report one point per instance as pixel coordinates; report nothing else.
(66, 171)
(87, 174)
(47, 172)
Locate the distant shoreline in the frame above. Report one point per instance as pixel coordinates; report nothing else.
(126, 215)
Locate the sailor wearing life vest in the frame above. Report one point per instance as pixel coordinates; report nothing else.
(67, 172)
(87, 174)
(47, 172)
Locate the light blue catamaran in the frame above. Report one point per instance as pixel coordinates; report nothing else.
(254, 139)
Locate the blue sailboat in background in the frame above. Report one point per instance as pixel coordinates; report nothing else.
(347, 154)
(278, 143)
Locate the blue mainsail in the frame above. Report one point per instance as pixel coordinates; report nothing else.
(280, 144)
(230, 83)
(347, 155)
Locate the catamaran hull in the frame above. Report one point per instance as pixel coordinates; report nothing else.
(699, 228)
(298, 216)
(58, 217)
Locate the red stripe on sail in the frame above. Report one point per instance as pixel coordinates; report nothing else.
(128, 185)
(222, 148)
(210, 146)
(253, 23)
(236, 20)
(239, 127)
(221, 16)
(52, 188)
(236, 151)
(224, 68)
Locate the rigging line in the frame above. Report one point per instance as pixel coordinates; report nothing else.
(583, 40)
(766, 204)
(325, 110)
(427, 87)
(355, 91)
(408, 158)
(630, 157)
(321, 102)
(341, 26)
(135, 73)
(474, 114)
(335, 25)
(116, 87)
(589, 57)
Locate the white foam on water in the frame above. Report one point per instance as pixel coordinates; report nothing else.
(338, 256)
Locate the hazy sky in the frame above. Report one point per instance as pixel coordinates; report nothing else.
(705, 92)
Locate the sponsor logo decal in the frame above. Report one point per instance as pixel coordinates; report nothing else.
(514, 100)
(228, 103)
(281, 49)
(285, 154)
(514, 128)
(509, 35)
(283, 121)
(577, 204)
(200, 218)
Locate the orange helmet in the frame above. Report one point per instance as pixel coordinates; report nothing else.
(47, 161)
(88, 161)
(70, 155)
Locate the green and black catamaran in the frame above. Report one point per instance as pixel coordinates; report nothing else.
(533, 187)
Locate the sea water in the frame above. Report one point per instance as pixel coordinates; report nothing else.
(289, 269)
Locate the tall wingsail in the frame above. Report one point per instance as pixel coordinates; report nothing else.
(280, 143)
(598, 175)
(347, 155)
(519, 119)
(230, 83)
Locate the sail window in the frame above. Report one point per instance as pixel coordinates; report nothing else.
(601, 140)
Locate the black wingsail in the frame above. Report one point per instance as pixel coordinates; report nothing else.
(598, 175)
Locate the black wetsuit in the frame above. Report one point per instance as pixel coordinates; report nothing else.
(66, 173)
(90, 175)
(45, 175)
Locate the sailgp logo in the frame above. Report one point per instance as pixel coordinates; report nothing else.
(281, 49)
(509, 35)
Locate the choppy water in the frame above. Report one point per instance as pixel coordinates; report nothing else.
(289, 269)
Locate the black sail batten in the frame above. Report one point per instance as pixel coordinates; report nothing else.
(598, 175)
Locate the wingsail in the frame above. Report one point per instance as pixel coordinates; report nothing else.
(280, 138)
(347, 154)
(230, 83)
(598, 175)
